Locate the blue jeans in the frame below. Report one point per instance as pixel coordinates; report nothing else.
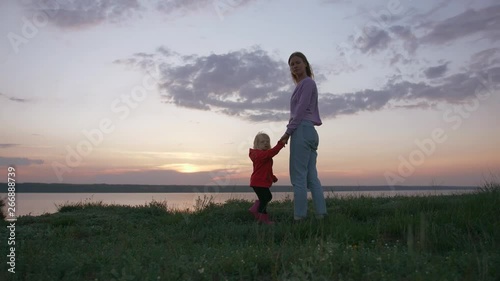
(303, 173)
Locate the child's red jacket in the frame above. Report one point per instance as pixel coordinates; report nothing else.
(262, 175)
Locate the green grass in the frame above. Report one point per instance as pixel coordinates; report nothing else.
(2, 206)
(401, 238)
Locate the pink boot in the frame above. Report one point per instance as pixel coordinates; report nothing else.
(264, 218)
(255, 209)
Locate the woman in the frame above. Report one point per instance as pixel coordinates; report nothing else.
(304, 140)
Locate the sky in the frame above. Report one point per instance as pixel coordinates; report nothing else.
(173, 92)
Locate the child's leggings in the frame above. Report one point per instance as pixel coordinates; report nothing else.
(265, 197)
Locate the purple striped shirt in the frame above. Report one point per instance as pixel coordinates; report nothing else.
(304, 105)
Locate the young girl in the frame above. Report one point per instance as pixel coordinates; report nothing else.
(262, 177)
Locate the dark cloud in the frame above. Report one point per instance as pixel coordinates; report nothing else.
(7, 161)
(8, 145)
(400, 42)
(81, 14)
(247, 83)
(335, 1)
(252, 85)
(418, 105)
(436, 71)
(371, 40)
(485, 21)
(181, 6)
(454, 89)
(13, 98)
(220, 7)
(368, 100)
(398, 58)
(405, 33)
(76, 14)
(423, 18)
(397, 42)
(485, 59)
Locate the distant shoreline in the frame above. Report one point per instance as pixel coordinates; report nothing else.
(132, 188)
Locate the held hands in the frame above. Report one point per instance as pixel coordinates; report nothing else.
(284, 138)
(275, 179)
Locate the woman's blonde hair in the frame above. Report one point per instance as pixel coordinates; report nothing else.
(258, 137)
(309, 71)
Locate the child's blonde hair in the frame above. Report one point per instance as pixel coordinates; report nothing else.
(257, 138)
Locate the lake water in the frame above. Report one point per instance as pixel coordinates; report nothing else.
(39, 203)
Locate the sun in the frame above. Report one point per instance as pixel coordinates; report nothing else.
(188, 168)
(182, 167)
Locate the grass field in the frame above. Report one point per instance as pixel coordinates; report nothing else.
(400, 238)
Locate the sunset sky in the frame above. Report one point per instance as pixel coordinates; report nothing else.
(173, 92)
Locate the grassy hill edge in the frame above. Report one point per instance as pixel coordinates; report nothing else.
(452, 237)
